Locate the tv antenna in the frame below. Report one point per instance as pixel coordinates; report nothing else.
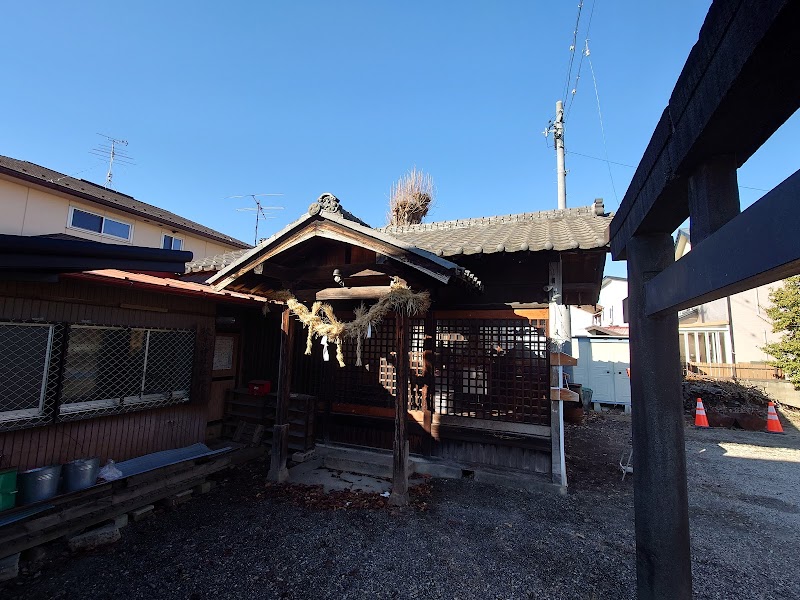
(258, 209)
(109, 151)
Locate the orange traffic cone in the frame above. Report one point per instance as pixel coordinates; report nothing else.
(700, 418)
(773, 422)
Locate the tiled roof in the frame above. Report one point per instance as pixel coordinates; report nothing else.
(95, 193)
(214, 263)
(582, 228)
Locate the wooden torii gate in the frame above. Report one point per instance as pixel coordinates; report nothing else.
(740, 83)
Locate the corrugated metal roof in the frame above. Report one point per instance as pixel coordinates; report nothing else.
(167, 285)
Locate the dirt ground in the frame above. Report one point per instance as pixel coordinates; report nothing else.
(460, 539)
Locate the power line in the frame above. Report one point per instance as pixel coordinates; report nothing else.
(580, 63)
(744, 187)
(600, 116)
(572, 51)
(601, 159)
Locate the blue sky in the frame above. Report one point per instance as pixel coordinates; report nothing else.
(218, 99)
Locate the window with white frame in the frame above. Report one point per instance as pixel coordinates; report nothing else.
(170, 242)
(25, 369)
(89, 221)
(704, 346)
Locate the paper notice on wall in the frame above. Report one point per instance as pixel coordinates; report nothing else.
(223, 353)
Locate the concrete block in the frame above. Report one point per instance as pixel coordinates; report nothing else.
(94, 538)
(202, 488)
(301, 457)
(141, 513)
(177, 499)
(120, 521)
(9, 567)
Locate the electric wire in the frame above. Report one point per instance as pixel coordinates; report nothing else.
(572, 51)
(600, 116)
(580, 64)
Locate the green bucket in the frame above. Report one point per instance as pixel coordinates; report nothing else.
(8, 481)
(8, 500)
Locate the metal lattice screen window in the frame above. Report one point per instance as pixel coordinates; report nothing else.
(492, 369)
(108, 368)
(28, 370)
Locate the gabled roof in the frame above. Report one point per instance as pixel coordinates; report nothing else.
(328, 210)
(80, 188)
(584, 228)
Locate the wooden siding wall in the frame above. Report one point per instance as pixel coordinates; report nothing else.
(117, 436)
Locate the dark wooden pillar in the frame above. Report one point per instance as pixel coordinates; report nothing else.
(280, 433)
(429, 382)
(399, 495)
(663, 563)
(713, 196)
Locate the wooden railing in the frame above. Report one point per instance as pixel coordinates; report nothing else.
(732, 371)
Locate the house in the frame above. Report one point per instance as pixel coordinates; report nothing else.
(722, 338)
(106, 362)
(730, 330)
(102, 356)
(37, 201)
(466, 383)
(600, 343)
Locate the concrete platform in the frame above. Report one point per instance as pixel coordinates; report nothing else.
(347, 468)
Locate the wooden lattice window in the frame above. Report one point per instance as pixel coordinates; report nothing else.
(492, 369)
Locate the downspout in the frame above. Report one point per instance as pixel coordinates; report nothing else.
(730, 335)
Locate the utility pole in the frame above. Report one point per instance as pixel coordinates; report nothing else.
(558, 135)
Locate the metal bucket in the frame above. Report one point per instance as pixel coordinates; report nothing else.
(80, 474)
(38, 484)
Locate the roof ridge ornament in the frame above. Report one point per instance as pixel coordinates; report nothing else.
(326, 202)
(599, 207)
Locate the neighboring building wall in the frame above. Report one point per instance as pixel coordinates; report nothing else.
(613, 291)
(28, 210)
(752, 328)
(117, 434)
(609, 310)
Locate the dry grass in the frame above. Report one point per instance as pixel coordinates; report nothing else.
(411, 198)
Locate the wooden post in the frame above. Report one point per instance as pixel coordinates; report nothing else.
(399, 496)
(713, 196)
(280, 432)
(428, 389)
(661, 508)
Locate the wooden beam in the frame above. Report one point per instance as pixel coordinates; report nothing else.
(280, 435)
(399, 495)
(756, 247)
(746, 52)
(353, 293)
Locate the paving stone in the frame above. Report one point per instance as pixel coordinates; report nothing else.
(142, 513)
(94, 538)
(9, 567)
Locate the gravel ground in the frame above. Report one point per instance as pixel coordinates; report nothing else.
(461, 539)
